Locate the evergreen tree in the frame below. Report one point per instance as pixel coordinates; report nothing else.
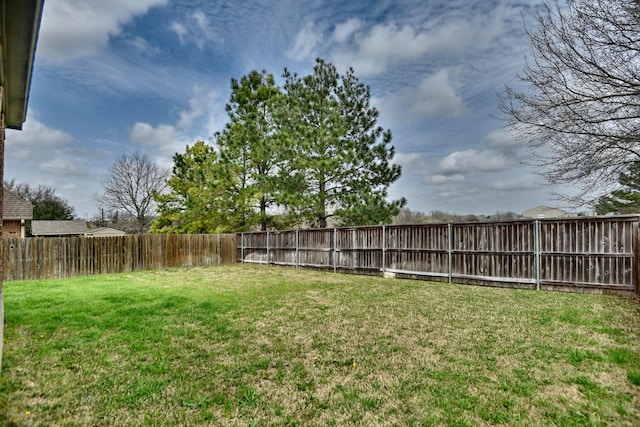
(625, 200)
(248, 144)
(337, 164)
(311, 153)
(203, 196)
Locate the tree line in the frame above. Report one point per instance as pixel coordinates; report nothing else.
(308, 153)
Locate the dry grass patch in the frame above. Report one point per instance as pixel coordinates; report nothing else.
(233, 345)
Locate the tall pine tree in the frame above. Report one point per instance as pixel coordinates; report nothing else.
(312, 152)
(338, 162)
(205, 195)
(249, 144)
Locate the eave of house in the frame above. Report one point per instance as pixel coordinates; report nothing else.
(19, 26)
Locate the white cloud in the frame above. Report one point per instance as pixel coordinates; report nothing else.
(161, 136)
(201, 20)
(142, 45)
(40, 154)
(389, 45)
(195, 28)
(160, 142)
(180, 30)
(205, 31)
(410, 161)
(445, 179)
(36, 135)
(501, 139)
(90, 78)
(343, 31)
(62, 166)
(203, 103)
(436, 95)
(304, 44)
(382, 46)
(524, 182)
(457, 37)
(507, 142)
(35, 143)
(199, 121)
(465, 161)
(80, 27)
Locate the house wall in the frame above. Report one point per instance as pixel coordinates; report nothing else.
(12, 228)
(1, 211)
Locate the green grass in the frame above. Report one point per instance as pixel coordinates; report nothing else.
(243, 345)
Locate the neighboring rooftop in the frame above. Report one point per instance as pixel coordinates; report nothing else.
(104, 232)
(15, 207)
(72, 227)
(544, 212)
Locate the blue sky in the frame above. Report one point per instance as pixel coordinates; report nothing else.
(153, 75)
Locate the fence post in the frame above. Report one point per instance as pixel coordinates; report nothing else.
(384, 249)
(242, 247)
(536, 248)
(636, 258)
(267, 247)
(297, 248)
(635, 239)
(449, 251)
(335, 250)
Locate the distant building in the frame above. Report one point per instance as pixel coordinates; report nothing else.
(105, 232)
(57, 228)
(75, 227)
(540, 212)
(15, 213)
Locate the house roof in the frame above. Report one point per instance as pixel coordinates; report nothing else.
(105, 232)
(543, 211)
(15, 207)
(19, 26)
(72, 227)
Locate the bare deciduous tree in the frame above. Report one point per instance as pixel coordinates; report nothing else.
(580, 111)
(129, 187)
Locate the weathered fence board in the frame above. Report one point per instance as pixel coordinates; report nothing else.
(58, 257)
(597, 254)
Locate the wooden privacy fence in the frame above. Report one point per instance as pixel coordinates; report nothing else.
(57, 257)
(597, 255)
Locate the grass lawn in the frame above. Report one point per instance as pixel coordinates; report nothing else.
(251, 345)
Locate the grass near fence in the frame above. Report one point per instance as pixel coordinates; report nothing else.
(242, 345)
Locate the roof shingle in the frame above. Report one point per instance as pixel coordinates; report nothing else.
(15, 207)
(72, 227)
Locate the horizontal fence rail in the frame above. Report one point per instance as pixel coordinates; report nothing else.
(57, 257)
(587, 254)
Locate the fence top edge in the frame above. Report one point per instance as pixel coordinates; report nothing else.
(601, 218)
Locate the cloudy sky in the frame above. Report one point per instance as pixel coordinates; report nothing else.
(112, 77)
